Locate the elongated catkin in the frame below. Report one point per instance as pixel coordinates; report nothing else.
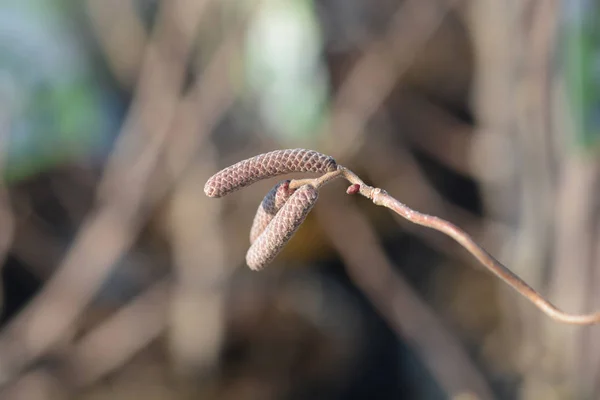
(265, 166)
(270, 205)
(282, 227)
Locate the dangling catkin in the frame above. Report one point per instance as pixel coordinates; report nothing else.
(267, 209)
(265, 166)
(282, 227)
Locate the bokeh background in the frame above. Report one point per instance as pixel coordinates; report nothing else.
(122, 280)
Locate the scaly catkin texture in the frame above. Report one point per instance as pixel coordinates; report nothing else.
(265, 166)
(267, 209)
(282, 227)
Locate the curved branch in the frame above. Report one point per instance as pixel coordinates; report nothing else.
(382, 198)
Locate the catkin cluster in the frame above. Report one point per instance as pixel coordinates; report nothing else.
(283, 209)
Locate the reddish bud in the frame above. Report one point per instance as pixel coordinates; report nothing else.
(353, 189)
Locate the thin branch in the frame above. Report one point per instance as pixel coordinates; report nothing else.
(408, 315)
(381, 198)
(120, 337)
(392, 166)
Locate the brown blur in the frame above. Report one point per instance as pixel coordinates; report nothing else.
(122, 280)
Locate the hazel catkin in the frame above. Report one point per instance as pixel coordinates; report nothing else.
(269, 206)
(282, 227)
(265, 166)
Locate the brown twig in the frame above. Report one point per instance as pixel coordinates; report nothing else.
(381, 198)
(392, 165)
(356, 242)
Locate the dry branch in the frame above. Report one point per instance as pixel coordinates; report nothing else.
(371, 270)
(381, 198)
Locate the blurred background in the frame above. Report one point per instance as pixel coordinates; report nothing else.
(122, 280)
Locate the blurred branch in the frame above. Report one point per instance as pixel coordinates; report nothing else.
(590, 364)
(193, 119)
(37, 248)
(198, 248)
(573, 204)
(394, 167)
(199, 258)
(439, 133)
(202, 108)
(498, 45)
(115, 341)
(35, 385)
(101, 351)
(381, 198)
(375, 74)
(197, 241)
(111, 227)
(572, 255)
(121, 35)
(76, 197)
(7, 218)
(373, 273)
(534, 132)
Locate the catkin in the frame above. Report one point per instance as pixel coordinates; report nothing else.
(282, 227)
(265, 166)
(267, 209)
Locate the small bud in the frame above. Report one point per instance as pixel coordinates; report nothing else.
(353, 189)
